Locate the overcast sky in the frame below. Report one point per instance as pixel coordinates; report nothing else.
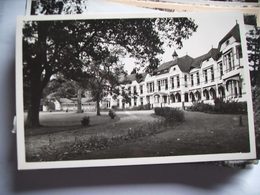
(211, 29)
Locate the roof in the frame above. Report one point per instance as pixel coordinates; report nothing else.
(132, 77)
(65, 100)
(234, 32)
(213, 53)
(184, 64)
(83, 100)
(174, 54)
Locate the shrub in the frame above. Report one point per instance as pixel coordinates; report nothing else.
(220, 107)
(170, 114)
(112, 114)
(142, 107)
(114, 107)
(201, 107)
(136, 133)
(81, 147)
(97, 142)
(85, 121)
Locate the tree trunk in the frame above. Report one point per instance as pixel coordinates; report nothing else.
(79, 107)
(35, 101)
(98, 106)
(37, 83)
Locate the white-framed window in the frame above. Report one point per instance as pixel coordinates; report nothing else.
(172, 82)
(162, 83)
(205, 73)
(220, 65)
(212, 74)
(150, 87)
(228, 60)
(178, 81)
(198, 78)
(141, 89)
(185, 80)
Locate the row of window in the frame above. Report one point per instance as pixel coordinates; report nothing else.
(234, 88)
(208, 74)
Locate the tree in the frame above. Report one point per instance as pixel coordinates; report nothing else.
(103, 77)
(63, 88)
(253, 46)
(48, 48)
(48, 7)
(69, 47)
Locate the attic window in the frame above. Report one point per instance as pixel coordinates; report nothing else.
(174, 68)
(227, 42)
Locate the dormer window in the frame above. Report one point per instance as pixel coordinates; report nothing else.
(227, 42)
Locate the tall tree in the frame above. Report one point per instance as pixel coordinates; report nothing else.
(48, 7)
(253, 46)
(69, 47)
(103, 77)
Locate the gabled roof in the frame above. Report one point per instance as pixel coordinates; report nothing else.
(234, 32)
(133, 77)
(213, 53)
(184, 64)
(65, 100)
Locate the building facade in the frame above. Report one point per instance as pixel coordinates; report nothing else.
(184, 80)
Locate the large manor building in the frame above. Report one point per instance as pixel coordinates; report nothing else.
(184, 80)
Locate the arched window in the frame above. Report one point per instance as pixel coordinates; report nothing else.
(213, 93)
(221, 91)
(186, 97)
(198, 95)
(206, 94)
(172, 97)
(178, 97)
(192, 97)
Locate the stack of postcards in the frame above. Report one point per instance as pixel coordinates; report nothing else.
(134, 82)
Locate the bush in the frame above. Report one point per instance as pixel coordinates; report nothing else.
(112, 114)
(81, 147)
(85, 121)
(201, 107)
(170, 114)
(230, 107)
(221, 107)
(142, 107)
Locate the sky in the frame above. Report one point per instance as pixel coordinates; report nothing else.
(211, 29)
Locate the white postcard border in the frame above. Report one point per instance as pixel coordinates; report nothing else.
(22, 164)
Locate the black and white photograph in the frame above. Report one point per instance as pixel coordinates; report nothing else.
(54, 7)
(253, 49)
(76, 7)
(133, 90)
(194, 5)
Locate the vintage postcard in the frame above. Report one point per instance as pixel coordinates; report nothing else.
(248, 7)
(56, 7)
(112, 90)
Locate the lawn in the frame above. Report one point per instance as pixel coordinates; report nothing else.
(200, 133)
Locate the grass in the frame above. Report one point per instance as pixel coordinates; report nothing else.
(196, 135)
(141, 134)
